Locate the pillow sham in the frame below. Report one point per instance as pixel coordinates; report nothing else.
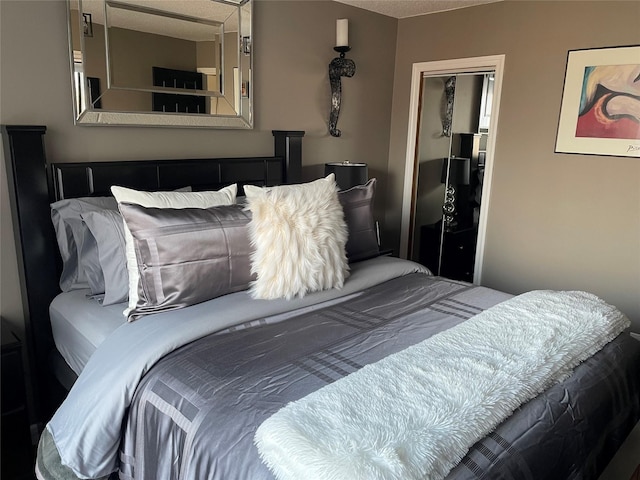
(357, 204)
(71, 234)
(224, 196)
(107, 234)
(91, 265)
(189, 255)
(299, 236)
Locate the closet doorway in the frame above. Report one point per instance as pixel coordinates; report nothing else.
(450, 145)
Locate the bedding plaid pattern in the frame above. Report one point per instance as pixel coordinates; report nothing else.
(195, 413)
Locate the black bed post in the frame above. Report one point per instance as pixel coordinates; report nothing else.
(288, 145)
(28, 181)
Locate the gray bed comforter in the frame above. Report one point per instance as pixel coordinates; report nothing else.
(195, 412)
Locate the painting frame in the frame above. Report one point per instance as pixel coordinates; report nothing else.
(567, 139)
(246, 45)
(87, 24)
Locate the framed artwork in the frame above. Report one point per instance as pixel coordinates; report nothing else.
(600, 111)
(87, 25)
(246, 45)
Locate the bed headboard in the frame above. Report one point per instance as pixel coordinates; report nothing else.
(34, 184)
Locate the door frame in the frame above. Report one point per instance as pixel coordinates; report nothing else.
(450, 67)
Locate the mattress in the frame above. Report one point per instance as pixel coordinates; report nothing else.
(80, 324)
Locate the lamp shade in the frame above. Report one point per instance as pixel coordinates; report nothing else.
(347, 174)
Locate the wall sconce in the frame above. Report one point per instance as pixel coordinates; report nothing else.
(339, 67)
(87, 25)
(449, 92)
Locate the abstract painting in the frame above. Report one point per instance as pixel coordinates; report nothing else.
(600, 111)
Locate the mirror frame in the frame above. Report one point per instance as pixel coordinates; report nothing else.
(243, 120)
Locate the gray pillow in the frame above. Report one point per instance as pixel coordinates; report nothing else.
(188, 255)
(357, 204)
(71, 233)
(107, 234)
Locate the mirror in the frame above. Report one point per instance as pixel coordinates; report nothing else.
(162, 62)
(453, 136)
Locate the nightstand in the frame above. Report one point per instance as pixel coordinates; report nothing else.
(458, 253)
(17, 456)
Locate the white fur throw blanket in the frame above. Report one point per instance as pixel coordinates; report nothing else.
(415, 414)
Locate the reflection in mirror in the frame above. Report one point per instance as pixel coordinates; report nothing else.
(451, 171)
(162, 62)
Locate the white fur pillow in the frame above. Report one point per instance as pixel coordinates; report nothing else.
(299, 235)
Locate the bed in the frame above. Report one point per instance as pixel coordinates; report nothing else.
(182, 392)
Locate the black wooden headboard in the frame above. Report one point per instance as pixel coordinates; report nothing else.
(34, 184)
(72, 180)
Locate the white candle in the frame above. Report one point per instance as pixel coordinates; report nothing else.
(342, 32)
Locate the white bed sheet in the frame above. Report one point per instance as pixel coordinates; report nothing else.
(80, 324)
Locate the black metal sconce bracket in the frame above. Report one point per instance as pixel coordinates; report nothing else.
(339, 67)
(449, 91)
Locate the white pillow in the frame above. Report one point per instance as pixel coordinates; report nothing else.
(224, 196)
(299, 235)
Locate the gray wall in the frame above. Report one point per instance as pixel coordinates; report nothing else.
(293, 44)
(556, 220)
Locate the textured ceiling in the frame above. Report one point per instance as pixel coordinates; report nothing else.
(224, 12)
(412, 8)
